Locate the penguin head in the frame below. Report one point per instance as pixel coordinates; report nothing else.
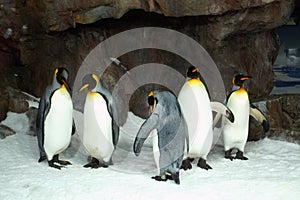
(152, 101)
(89, 81)
(61, 75)
(192, 72)
(239, 79)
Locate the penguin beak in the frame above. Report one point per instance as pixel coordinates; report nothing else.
(83, 87)
(151, 108)
(245, 78)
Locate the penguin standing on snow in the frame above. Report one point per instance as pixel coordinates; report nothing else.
(54, 123)
(101, 132)
(172, 133)
(235, 134)
(197, 110)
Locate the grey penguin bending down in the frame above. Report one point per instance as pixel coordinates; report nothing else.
(172, 132)
(235, 134)
(54, 124)
(101, 132)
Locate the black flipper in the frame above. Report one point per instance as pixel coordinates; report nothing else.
(259, 116)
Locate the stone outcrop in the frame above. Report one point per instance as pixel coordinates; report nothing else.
(283, 113)
(37, 36)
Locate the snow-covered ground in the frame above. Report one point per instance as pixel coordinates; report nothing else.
(272, 172)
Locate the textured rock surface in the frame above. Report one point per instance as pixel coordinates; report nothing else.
(41, 35)
(5, 131)
(283, 113)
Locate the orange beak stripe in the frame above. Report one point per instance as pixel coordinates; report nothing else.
(244, 78)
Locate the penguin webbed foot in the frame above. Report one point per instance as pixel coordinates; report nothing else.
(64, 162)
(95, 163)
(228, 155)
(166, 177)
(203, 165)
(240, 156)
(186, 164)
(159, 178)
(61, 162)
(51, 164)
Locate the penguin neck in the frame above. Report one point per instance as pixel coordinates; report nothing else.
(194, 80)
(55, 84)
(241, 89)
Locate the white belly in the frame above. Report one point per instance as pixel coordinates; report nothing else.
(58, 124)
(195, 105)
(235, 134)
(97, 134)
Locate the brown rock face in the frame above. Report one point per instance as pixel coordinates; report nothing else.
(239, 36)
(283, 113)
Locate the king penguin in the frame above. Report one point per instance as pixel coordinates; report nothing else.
(54, 123)
(100, 132)
(197, 110)
(167, 119)
(235, 134)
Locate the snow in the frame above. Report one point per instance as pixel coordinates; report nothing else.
(272, 171)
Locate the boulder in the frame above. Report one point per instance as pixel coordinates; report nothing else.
(283, 113)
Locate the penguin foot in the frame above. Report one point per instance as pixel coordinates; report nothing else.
(61, 162)
(228, 155)
(64, 162)
(202, 164)
(95, 163)
(240, 155)
(175, 177)
(186, 164)
(159, 178)
(51, 164)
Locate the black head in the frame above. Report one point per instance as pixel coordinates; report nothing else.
(61, 75)
(89, 81)
(152, 101)
(239, 79)
(192, 72)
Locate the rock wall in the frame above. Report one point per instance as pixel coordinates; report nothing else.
(283, 113)
(37, 36)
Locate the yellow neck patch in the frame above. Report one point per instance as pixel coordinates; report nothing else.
(241, 90)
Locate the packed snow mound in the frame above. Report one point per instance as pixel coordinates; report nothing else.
(272, 172)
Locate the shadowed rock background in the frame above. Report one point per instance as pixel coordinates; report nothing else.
(37, 36)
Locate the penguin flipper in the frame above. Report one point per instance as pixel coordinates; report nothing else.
(259, 116)
(115, 132)
(73, 128)
(222, 109)
(43, 110)
(144, 131)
